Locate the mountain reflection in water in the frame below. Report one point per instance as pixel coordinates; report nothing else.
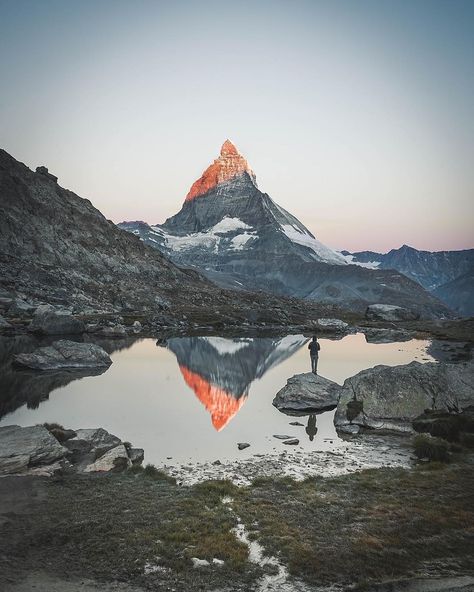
(220, 371)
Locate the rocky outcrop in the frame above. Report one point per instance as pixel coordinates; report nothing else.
(115, 459)
(63, 355)
(22, 449)
(387, 397)
(307, 393)
(51, 323)
(42, 170)
(95, 441)
(388, 312)
(37, 450)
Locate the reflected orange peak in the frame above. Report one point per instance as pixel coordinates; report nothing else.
(221, 404)
(230, 164)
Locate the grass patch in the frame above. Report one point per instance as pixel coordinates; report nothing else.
(152, 472)
(431, 448)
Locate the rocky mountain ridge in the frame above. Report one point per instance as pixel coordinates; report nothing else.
(449, 275)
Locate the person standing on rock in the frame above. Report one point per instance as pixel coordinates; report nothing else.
(314, 348)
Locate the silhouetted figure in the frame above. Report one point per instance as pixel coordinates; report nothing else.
(311, 428)
(314, 348)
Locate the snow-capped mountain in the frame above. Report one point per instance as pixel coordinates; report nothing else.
(240, 238)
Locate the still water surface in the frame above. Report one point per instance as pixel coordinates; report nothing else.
(193, 398)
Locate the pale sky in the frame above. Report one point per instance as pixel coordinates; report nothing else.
(356, 116)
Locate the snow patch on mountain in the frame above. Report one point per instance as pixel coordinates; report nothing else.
(367, 264)
(209, 239)
(238, 242)
(322, 252)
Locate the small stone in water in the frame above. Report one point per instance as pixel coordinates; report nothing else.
(281, 437)
(292, 441)
(296, 423)
(243, 445)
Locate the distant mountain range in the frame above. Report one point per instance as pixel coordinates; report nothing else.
(240, 238)
(449, 275)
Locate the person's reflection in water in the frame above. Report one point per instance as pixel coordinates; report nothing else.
(311, 428)
(314, 348)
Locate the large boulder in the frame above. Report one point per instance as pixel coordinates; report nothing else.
(307, 393)
(390, 312)
(116, 459)
(92, 440)
(65, 354)
(387, 397)
(22, 449)
(49, 322)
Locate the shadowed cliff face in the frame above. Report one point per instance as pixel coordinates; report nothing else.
(220, 371)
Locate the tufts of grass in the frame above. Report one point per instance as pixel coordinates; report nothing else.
(52, 426)
(215, 490)
(152, 472)
(431, 448)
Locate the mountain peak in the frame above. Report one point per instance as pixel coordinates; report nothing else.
(227, 166)
(229, 148)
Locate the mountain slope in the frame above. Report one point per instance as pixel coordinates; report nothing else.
(239, 237)
(447, 274)
(459, 294)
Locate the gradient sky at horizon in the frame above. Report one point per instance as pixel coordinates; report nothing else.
(356, 116)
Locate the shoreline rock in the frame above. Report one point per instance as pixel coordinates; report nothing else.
(37, 450)
(390, 398)
(307, 393)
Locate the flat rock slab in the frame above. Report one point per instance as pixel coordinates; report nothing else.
(243, 445)
(281, 436)
(375, 335)
(307, 393)
(65, 354)
(291, 442)
(387, 397)
(24, 448)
